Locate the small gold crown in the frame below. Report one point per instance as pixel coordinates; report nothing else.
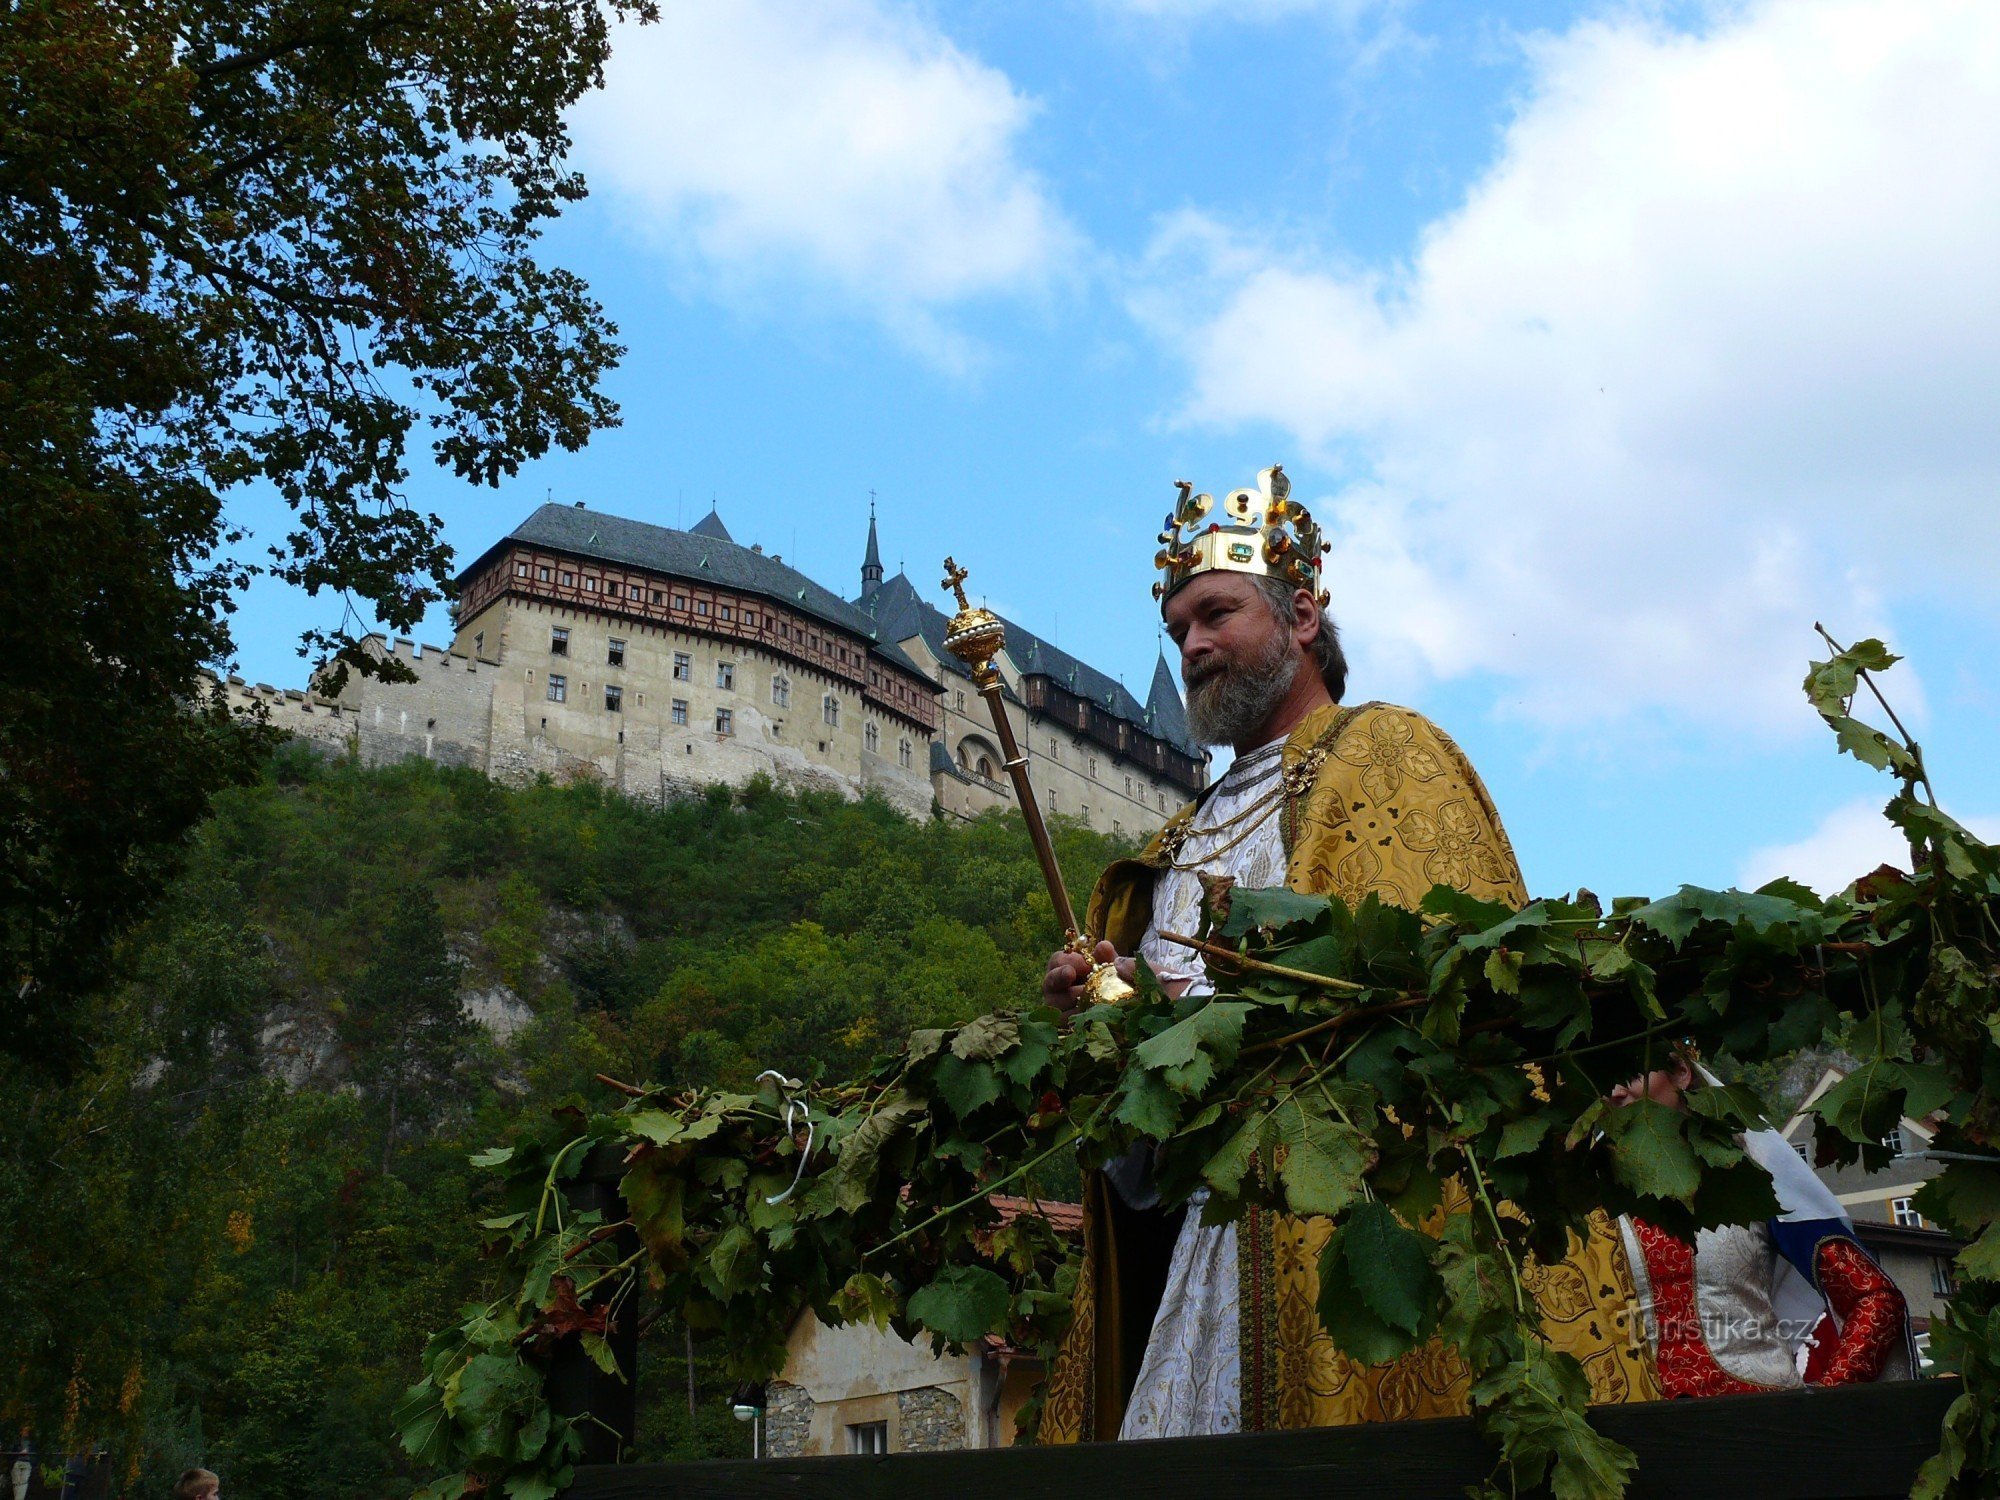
(1262, 532)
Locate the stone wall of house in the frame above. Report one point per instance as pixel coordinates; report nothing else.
(929, 1420)
(788, 1413)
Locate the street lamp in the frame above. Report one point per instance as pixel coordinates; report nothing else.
(747, 1405)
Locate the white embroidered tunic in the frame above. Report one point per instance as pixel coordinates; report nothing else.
(1190, 1381)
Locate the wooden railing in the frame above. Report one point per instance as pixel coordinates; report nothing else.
(1853, 1442)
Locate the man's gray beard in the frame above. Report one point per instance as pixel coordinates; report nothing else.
(1228, 707)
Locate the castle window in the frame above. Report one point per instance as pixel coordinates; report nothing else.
(542, 575)
(520, 570)
(1093, 768)
(872, 738)
(903, 753)
(614, 698)
(750, 619)
(656, 596)
(680, 712)
(683, 667)
(610, 590)
(614, 653)
(1086, 816)
(725, 674)
(781, 691)
(829, 710)
(590, 585)
(680, 601)
(728, 613)
(725, 721)
(701, 606)
(1163, 801)
(1055, 751)
(986, 768)
(1128, 786)
(479, 644)
(964, 760)
(558, 688)
(958, 701)
(569, 580)
(558, 642)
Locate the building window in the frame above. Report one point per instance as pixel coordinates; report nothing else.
(680, 601)
(614, 698)
(904, 754)
(1163, 801)
(958, 700)
(590, 585)
(986, 768)
(683, 667)
(725, 674)
(542, 575)
(1093, 768)
(656, 596)
(610, 590)
(558, 688)
(520, 570)
(750, 619)
(680, 711)
(868, 1437)
(1894, 1141)
(569, 580)
(728, 613)
(614, 652)
(781, 691)
(1055, 752)
(829, 710)
(479, 644)
(1942, 1281)
(558, 642)
(701, 606)
(1128, 786)
(1901, 1211)
(725, 721)
(872, 737)
(1085, 811)
(1804, 1148)
(964, 760)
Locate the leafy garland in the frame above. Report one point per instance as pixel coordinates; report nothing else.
(1351, 1063)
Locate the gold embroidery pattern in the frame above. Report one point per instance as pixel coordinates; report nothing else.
(1358, 874)
(1454, 843)
(1385, 752)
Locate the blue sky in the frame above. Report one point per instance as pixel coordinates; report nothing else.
(1612, 344)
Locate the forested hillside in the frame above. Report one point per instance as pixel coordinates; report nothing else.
(230, 1234)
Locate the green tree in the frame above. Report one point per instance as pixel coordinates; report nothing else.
(246, 241)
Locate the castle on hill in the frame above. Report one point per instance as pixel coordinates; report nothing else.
(658, 661)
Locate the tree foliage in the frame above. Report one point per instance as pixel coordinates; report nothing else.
(229, 1230)
(1352, 1063)
(259, 242)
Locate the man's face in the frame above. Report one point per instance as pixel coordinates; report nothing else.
(1237, 661)
(1663, 1086)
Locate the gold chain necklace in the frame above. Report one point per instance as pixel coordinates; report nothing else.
(1292, 781)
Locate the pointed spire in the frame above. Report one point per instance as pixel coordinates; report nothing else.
(711, 525)
(871, 561)
(1163, 704)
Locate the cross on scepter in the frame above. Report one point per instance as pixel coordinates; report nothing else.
(954, 579)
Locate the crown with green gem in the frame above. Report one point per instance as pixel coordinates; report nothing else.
(1261, 531)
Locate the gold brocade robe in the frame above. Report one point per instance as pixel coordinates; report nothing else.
(1377, 798)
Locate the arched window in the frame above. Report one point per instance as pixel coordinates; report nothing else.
(986, 768)
(964, 760)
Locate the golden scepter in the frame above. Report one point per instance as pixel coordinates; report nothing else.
(975, 637)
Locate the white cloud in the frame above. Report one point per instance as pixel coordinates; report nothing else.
(845, 143)
(1849, 842)
(1710, 351)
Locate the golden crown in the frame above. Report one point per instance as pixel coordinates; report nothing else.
(1262, 531)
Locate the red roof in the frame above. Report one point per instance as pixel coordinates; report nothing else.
(1064, 1218)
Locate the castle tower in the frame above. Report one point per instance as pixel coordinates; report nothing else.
(871, 561)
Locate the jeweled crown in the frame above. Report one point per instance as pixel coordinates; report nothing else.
(1261, 531)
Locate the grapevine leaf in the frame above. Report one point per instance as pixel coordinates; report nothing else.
(961, 1303)
(1465, 909)
(659, 1126)
(1147, 1105)
(1523, 1135)
(1224, 1171)
(493, 1156)
(1964, 1197)
(1390, 1266)
(1323, 1162)
(853, 1174)
(1351, 1321)
(656, 1198)
(966, 1086)
(1649, 1150)
(866, 1298)
(734, 1264)
(1187, 1053)
(1980, 1260)
(1275, 907)
(598, 1347)
(1503, 971)
(987, 1038)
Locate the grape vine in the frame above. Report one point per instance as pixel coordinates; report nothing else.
(1351, 1063)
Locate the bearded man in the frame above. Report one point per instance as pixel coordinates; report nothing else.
(1182, 1329)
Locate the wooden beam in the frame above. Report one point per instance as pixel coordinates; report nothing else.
(1854, 1443)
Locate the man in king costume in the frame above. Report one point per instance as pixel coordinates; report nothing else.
(1182, 1329)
